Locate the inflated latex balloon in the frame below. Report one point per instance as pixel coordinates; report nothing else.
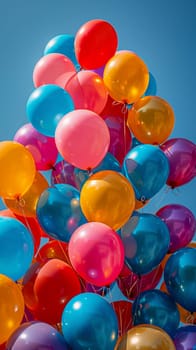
(53, 249)
(147, 168)
(96, 253)
(126, 77)
(42, 148)
(151, 120)
(90, 312)
(53, 68)
(82, 138)
(63, 173)
(185, 338)
(152, 86)
(95, 42)
(123, 309)
(46, 106)
(17, 169)
(145, 337)
(104, 193)
(12, 307)
(181, 154)
(114, 109)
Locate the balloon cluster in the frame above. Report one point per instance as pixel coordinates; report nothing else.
(95, 122)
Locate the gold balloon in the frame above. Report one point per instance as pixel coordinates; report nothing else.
(26, 204)
(126, 77)
(151, 120)
(12, 307)
(107, 197)
(145, 337)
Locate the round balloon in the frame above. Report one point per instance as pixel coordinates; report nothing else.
(63, 173)
(123, 309)
(53, 249)
(185, 338)
(152, 86)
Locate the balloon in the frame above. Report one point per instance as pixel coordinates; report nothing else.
(36, 335)
(12, 307)
(152, 86)
(126, 77)
(123, 309)
(87, 91)
(181, 224)
(180, 277)
(156, 308)
(46, 106)
(145, 337)
(63, 173)
(151, 120)
(104, 193)
(114, 109)
(185, 338)
(15, 180)
(26, 205)
(181, 154)
(99, 71)
(63, 44)
(53, 249)
(16, 248)
(82, 138)
(95, 42)
(53, 68)
(88, 311)
(147, 168)
(59, 212)
(42, 148)
(96, 253)
(146, 241)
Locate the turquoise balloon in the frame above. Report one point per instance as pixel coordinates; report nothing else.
(89, 322)
(152, 86)
(46, 106)
(147, 168)
(16, 248)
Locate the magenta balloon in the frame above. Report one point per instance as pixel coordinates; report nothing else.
(96, 253)
(42, 147)
(63, 173)
(120, 137)
(181, 154)
(181, 224)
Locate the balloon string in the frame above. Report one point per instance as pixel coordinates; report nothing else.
(137, 299)
(21, 203)
(64, 251)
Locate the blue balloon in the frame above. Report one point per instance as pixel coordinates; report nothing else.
(58, 211)
(46, 106)
(16, 248)
(152, 86)
(147, 168)
(185, 338)
(180, 277)
(63, 44)
(146, 241)
(89, 322)
(156, 308)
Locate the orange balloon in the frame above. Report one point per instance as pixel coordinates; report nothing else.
(126, 77)
(26, 204)
(145, 337)
(151, 120)
(140, 204)
(108, 197)
(12, 307)
(17, 169)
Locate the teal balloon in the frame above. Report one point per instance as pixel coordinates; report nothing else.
(89, 322)
(147, 168)
(58, 211)
(16, 248)
(156, 308)
(146, 241)
(46, 106)
(152, 86)
(180, 277)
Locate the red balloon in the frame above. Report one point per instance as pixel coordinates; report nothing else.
(123, 310)
(53, 249)
(95, 43)
(114, 109)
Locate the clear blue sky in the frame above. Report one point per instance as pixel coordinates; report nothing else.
(162, 32)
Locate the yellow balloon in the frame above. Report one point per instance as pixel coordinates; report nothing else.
(11, 309)
(107, 197)
(26, 204)
(151, 120)
(145, 337)
(17, 169)
(126, 77)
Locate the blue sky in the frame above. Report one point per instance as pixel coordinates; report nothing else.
(161, 32)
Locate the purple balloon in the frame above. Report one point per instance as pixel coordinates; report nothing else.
(181, 224)
(63, 173)
(42, 148)
(36, 336)
(185, 338)
(181, 154)
(99, 71)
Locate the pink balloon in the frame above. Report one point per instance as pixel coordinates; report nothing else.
(53, 68)
(82, 138)
(42, 148)
(87, 91)
(96, 253)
